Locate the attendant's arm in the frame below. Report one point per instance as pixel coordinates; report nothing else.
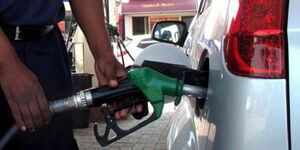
(21, 88)
(90, 17)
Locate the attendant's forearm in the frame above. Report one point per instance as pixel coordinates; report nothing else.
(8, 56)
(90, 17)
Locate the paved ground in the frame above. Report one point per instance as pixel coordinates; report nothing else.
(151, 137)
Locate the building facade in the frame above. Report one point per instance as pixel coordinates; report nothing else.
(139, 16)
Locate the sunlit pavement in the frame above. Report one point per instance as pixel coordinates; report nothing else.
(151, 137)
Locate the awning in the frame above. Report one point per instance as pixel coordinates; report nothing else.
(150, 6)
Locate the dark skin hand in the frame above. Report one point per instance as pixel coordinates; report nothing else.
(22, 90)
(111, 78)
(109, 71)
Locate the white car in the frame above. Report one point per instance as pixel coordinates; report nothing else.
(134, 47)
(251, 51)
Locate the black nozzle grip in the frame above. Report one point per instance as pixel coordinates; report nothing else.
(107, 94)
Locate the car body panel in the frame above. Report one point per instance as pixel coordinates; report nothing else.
(239, 113)
(294, 74)
(160, 52)
(181, 136)
(251, 118)
(233, 119)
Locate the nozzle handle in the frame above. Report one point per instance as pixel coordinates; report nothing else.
(108, 95)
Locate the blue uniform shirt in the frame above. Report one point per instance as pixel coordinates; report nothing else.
(31, 12)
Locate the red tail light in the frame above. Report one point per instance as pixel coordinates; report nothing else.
(255, 40)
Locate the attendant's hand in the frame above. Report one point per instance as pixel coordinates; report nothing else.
(25, 96)
(109, 72)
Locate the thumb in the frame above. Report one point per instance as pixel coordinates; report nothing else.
(113, 83)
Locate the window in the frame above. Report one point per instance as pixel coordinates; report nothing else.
(187, 20)
(140, 25)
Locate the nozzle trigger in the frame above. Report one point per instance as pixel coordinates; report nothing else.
(111, 124)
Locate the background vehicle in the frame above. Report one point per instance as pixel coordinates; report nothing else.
(134, 46)
(250, 49)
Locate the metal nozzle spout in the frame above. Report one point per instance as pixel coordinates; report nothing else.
(192, 90)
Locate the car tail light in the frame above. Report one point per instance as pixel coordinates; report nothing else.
(255, 40)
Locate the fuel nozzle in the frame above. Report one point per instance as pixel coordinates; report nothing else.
(155, 86)
(95, 97)
(142, 82)
(151, 85)
(145, 83)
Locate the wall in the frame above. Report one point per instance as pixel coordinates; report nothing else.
(128, 19)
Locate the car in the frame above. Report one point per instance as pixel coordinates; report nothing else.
(134, 47)
(251, 52)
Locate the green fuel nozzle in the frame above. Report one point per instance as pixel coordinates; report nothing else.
(155, 86)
